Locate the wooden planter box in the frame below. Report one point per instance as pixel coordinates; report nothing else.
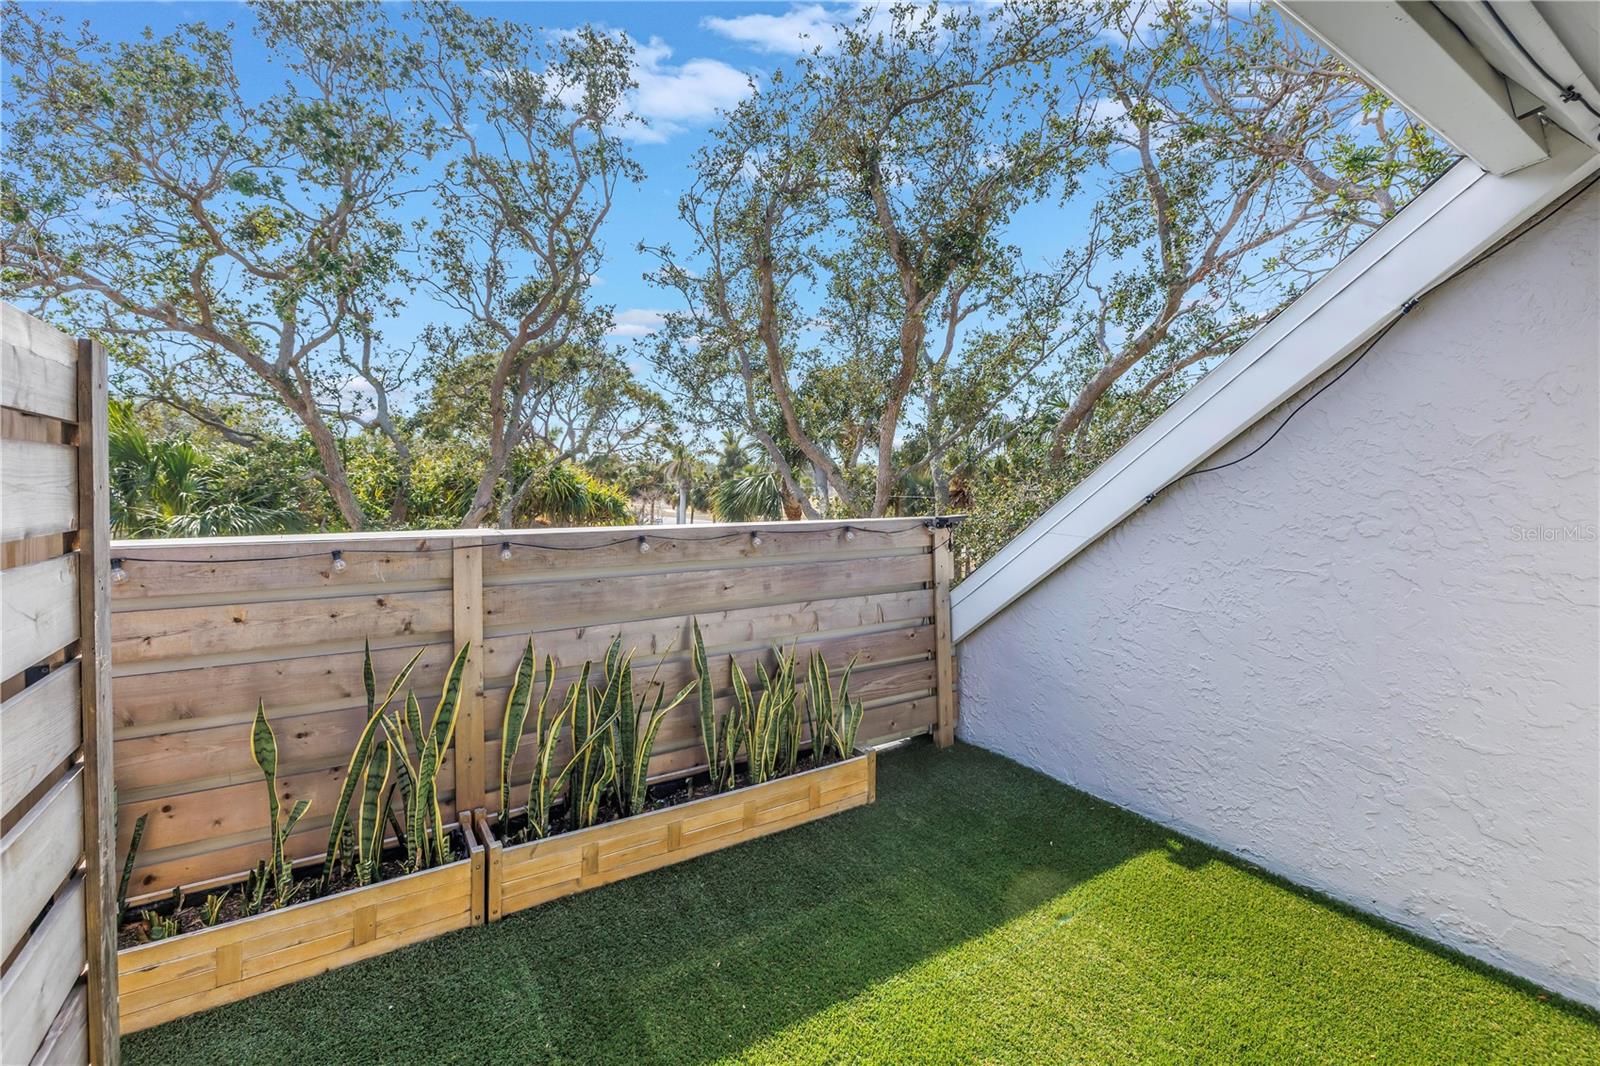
(196, 971)
(526, 875)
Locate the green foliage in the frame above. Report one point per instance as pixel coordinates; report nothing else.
(160, 926)
(722, 736)
(634, 745)
(264, 750)
(834, 716)
(369, 832)
(169, 486)
(771, 721)
(127, 864)
(211, 909)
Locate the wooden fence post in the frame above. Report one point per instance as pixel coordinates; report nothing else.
(94, 628)
(944, 730)
(471, 741)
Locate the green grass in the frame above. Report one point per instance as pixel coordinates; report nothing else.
(977, 913)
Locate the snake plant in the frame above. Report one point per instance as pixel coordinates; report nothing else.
(633, 745)
(426, 839)
(722, 736)
(360, 760)
(547, 782)
(519, 708)
(768, 720)
(834, 719)
(264, 749)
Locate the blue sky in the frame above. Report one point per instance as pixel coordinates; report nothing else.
(692, 59)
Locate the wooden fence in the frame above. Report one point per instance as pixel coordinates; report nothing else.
(202, 629)
(58, 990)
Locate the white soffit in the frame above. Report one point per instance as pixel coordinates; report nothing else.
(1422, 61)
(1453, 221)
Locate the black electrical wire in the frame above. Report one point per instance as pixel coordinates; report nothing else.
(1405, 309)
(1569, 93)
(489, 542)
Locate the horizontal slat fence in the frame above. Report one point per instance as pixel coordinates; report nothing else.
(202, 629)
(57, 889)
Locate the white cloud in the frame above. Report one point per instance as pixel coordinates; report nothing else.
(672, 96)
(637, 322)
(797, 30)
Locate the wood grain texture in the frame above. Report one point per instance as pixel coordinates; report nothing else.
(40, 730)
(37, 856)
(66, 1042)
(38, 611)
(101, 869)
(41, 977)
(205, 628)
(173, 978)
(38, 366)
(544, 870)
(39, 483)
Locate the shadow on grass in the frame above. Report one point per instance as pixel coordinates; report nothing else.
(706, 959)
(698, 961)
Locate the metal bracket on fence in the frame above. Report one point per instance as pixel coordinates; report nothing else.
(944, 521)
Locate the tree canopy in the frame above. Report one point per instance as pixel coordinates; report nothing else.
(854, 324)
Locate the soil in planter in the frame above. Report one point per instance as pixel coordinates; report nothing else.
(657, 796)
(309, 884)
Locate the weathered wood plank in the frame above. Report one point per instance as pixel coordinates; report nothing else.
(38, 855)
(38, 612)
(693, 546)
(41, 977)
(608, 600)
(244, 568)
(945, 685)
(466, 590)
(39, 731)
(39, 483)
(94, 625)
(38, 366)
(278, 627)
(66, 1043)
(205, 696)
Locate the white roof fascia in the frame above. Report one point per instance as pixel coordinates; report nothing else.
(1420, 60)
(1538, 37)
(1454, 220)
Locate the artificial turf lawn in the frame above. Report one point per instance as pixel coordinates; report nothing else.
(979, 912)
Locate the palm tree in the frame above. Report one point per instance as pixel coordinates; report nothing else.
(682, 467)
(752, 494)
(167, 487)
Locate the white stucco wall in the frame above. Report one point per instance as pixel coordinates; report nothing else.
(1366, 658)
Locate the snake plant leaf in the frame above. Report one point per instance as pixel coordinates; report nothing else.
(518, 703)
(705, 705)
(360, 755)
(369, 679)
(369, 821)
(444, 716)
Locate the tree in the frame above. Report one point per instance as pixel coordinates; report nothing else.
(167, 486)
(535, 166)
(1244, 161)
(146, 199)
(839, 206)
(573, 406)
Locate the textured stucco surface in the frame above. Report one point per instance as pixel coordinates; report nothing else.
(1365, 658)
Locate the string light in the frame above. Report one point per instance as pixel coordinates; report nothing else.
(118, 574)
(339, 563)
(505, 551)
